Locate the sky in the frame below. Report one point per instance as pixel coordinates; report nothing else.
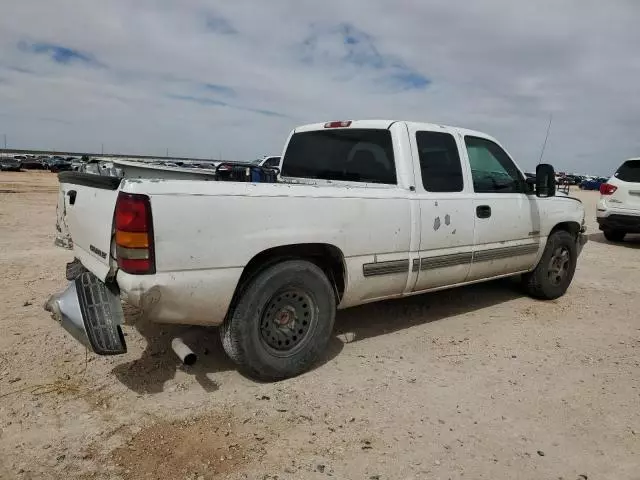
(222, 79)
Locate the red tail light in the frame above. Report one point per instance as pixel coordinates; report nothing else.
(607, 189)
(134, 234)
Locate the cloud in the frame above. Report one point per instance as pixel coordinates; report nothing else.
(346, 48)
(210, 102)
(268, 113)
(202, 77)
(199, 100)
(219, 24)
(220, 89)
(58, 53)
(408, 80)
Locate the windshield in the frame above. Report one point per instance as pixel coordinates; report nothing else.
(358, 155)
(629, 171)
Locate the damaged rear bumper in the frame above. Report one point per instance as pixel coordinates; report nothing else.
(91, 312)
(196, 297)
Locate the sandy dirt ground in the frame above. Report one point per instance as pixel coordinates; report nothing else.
(473, 383)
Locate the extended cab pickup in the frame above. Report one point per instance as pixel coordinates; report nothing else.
(362, 211)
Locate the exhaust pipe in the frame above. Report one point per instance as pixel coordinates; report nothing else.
(184, 353)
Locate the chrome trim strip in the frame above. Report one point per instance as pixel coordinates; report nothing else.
(385, 268)
(505, 252)
(443, 261)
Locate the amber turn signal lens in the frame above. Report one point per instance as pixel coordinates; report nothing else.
(132, 239)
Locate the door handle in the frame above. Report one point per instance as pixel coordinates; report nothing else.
(72, 196)
(483, 211)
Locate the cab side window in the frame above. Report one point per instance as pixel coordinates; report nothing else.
(491, 168)
(439, 162)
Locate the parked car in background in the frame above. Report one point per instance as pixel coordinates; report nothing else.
(374, 210)
(43, 160)
(9, 164)
(592, 184)
(618, 210)
(76, 164)
(269, 162)
(33, 164)
(59, 164)
(570, 178)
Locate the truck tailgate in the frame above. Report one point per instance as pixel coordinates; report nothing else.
(88, 204)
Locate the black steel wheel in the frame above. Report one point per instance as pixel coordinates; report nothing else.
(287, 320)
(282, 321)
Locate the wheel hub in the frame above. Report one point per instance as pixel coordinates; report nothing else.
(559, 265)
(287, 319)
(285, 316)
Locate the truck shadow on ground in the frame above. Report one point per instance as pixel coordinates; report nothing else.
(381, 318)
(158, 363)
(630, 240)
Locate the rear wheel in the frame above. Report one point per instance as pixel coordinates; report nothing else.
(282, 321)
(554, 272)
(614, 235)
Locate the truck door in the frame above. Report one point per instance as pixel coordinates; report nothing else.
(446, 213)
(507, 222)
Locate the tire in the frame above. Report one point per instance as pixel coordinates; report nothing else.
(614, 235)
(548, 281)
(271, 311)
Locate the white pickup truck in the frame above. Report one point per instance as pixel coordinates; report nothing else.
(362, 211)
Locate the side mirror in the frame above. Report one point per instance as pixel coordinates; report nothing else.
(545, 180)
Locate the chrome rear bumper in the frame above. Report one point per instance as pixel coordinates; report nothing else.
(91, 313)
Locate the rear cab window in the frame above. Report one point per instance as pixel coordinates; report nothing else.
(629, 171)
(345, 154)
(440, 165)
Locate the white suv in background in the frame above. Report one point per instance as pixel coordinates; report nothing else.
(618, 210)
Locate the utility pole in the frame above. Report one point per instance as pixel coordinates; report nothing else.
(167, 153)
(102, 149)
(5, 142)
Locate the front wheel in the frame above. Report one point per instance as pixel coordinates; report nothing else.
(553, 275)
(282, 321)
(614, 235)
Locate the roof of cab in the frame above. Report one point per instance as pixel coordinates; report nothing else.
(384, 124)
(354, 124)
